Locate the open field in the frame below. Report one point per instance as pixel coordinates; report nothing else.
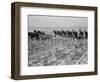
(57, 51)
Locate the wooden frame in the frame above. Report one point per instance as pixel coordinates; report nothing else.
(15, 40)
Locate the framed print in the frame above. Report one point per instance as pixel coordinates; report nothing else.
(53, 40)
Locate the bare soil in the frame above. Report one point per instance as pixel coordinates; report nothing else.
(57, 51)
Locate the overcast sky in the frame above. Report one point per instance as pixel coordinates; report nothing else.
(49, 23)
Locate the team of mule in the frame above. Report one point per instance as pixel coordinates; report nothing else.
(41, 35)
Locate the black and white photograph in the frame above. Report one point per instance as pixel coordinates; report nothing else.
(53, 40)
(57, 40)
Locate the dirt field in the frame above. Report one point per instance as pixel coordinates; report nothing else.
(57, 51)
